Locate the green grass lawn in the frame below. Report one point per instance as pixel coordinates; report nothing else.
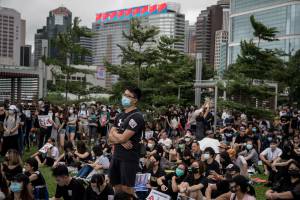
(260, 189)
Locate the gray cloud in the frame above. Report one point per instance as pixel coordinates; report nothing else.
(36, 11)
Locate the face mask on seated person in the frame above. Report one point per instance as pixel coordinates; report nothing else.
(179, 172)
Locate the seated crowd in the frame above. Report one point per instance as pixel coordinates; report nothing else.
(184, 156)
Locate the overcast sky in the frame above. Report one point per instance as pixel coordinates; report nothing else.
(36, 11)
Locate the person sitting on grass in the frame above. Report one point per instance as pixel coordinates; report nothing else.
(36, 178)
(99, 163)
(12, 164)
(290, 189)
(195, 183)
(68, 157)
(99, 188)
(67, 188)
(48, 154)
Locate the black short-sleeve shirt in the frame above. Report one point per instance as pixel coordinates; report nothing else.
(155, 176)
(133, 121)
(91, 195)
(191, 180)
(74, 191)
(214, 166)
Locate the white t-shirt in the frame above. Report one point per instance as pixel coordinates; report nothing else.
(209, 142)
(54, 152)
(167, 142)
(272, 155)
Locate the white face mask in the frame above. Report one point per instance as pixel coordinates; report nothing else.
(206, 156)
(71, 111)
(150, 146)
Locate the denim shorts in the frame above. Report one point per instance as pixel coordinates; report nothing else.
(71, 129)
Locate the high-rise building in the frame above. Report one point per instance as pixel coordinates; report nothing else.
(40, 45)
(190, 39)
(25, 55)
(58, 21)
(87, 43)
(109, 26)
(11, 35)
(221, 40)
(208, 22)
(282, 14)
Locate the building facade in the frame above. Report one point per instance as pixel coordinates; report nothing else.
(190, 39)
(11, 36)
(221, 43)
(208, 22)
(58, 21)
(282, 14)
(109, 27)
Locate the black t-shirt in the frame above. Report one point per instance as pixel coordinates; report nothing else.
(191, 180)
(133, 121)
(229, 134)
(214, 166)
(168, 183)
(40, 181)
(91, 195)
(73, 191)
(240, 140)
(296, 190)
(155, 176)
(2, 117)
(10, 173)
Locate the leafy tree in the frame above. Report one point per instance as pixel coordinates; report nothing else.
(152, 63)
(248, 77)
(69, 49)
(262, 32)
(290, 77)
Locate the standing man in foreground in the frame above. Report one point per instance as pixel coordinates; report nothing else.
(126, 136)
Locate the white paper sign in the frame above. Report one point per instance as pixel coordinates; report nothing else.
(156, 195)
(45, 148)
(44, 120)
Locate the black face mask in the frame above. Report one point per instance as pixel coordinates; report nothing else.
(195, 170)
(294, 173)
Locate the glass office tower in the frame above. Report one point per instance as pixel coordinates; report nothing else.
(282, 14)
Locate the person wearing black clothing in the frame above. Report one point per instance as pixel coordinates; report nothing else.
(37, 180)
(28, 126)
(211, 164)
(12, 164)
(99, 189)
(22, 128)
(126, 136)
(195, 183)
(44, 132)
(229, 133)
(155, 170)
(67, 188)
(2, 118)
(169, 183)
